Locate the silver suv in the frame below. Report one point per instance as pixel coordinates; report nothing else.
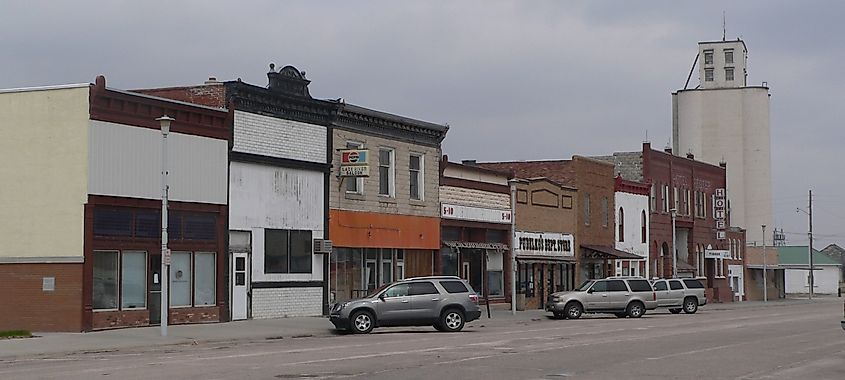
(444, 302)
(680, 294)
(621, 296)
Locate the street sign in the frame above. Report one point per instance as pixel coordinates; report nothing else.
(354, 171)
(165, 256)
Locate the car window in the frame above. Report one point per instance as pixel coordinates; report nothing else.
(675, 285)
(454, 286)
(420, 288)
(616, 286)
(599, 286)
(400, 290)
(639, 285)
(693, 284)
(660, 285)
(584, 286)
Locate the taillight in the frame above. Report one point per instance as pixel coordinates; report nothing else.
(473, 298)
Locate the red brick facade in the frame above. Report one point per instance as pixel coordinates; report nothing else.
(210, 94)
(25, 305)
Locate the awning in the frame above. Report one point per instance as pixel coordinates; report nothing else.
(603, 252)
(684, 267)
(476, 245)
(530, 259)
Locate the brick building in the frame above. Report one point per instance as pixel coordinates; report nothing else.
(81, 226)
(279, 167)
(475, 211)
(593, 182)
(691, 188)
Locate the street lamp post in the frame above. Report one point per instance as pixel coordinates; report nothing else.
(514, 272)
(164, 121)
(765, 282)
(674, 213)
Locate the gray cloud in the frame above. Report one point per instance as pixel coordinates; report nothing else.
(515, 80)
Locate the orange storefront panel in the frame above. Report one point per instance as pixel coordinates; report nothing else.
(374, 230)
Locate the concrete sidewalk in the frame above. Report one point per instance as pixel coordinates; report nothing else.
(263, 329)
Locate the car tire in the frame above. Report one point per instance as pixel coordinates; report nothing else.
(635, 309)
(690, 305)
(438, 327)
(573, 310)
(620, 315)
(675, 311)
(361, 322)
(452, 320)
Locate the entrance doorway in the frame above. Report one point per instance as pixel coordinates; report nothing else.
(240, 285)
(154, 299)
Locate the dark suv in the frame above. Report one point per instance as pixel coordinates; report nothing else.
(444, 302)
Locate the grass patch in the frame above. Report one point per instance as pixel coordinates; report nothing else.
(15, 334)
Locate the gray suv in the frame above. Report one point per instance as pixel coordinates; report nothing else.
(444, 302)
(620, 296)
(680, 294)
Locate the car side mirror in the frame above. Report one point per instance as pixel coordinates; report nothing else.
(381, 297)
(590, 291)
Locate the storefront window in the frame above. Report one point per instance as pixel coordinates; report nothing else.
(449, 261)
(180, 279)
(105, 280)
(133, 280)
(287, 251)
(495, 280)
(204, 286)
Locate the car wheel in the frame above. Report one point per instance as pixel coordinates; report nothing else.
(452, 320)
(574, 310)
(690, 305)
(636, 309)
(620, 315)
(438, 327)
(361, 322)
(675, 311)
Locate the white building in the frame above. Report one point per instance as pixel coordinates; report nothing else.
(725, 120)
(632, 221)
(795, 260)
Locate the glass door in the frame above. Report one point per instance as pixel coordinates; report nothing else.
(155, 289)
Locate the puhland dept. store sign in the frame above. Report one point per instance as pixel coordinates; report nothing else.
(544, 244)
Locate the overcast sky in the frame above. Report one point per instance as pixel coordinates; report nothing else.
(514, 80)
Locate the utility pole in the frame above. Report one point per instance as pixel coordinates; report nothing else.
(812, 276)
(674, 214)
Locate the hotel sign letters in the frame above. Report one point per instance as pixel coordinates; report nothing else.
(719, 212)
(544, 244)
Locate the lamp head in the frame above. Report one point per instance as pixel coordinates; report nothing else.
(165, 121)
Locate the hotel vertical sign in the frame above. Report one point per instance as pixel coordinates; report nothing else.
(719, 213)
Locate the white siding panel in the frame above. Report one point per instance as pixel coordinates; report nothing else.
(264, 196)
(274, 137)
(125, 161)
(475, 198)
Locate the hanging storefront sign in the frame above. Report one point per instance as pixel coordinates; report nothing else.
(544, 244)
(354, 163)
(717, 254)
(475, 214)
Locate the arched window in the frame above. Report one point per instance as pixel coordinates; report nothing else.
(643, 228)
(621, 224)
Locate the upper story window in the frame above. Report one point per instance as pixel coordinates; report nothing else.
(643, 227)
(354, 185)
(386, 165)
(708, 57)
(415, 170)
(676, 200)
(621, 223)
(653, 197)
(708, 75)
(586, 209)
(687, 202)
(729, 73)
(664, 196)
(604, 212)
(729, 56)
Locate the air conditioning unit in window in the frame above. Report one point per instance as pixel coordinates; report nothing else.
(322, 246)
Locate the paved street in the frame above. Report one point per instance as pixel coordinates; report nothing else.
(796, 340)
